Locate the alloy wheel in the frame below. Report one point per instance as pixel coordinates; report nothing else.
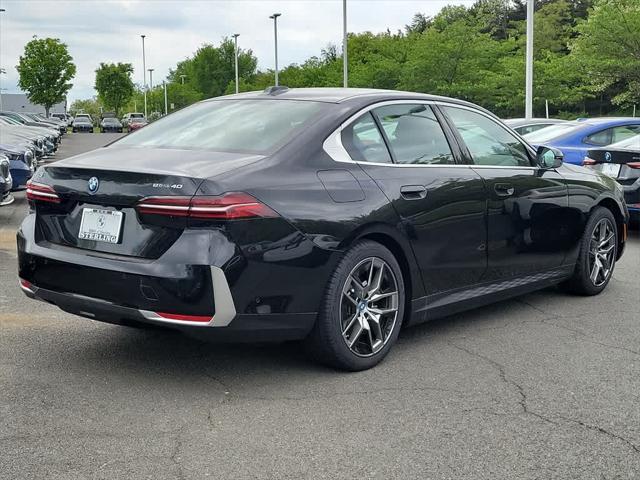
(602, 249)
(369, 306)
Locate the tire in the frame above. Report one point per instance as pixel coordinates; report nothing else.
(583, 280)
(348, 314)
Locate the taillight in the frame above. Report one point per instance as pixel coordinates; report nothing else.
(588, 161)
(633, 164)
(42, 193)
(229, 206)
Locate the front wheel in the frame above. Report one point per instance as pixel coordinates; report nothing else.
(597, 257)
(362, 310)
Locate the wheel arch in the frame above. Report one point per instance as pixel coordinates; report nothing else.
(611, 205)
(402, 251)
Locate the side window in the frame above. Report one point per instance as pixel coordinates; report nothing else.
(414, 133)
(488, 142)
(364, 142)
(603, 137)
(624, 132)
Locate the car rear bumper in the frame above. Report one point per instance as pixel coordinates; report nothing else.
(632, 199)
(242, 328)
(200, 284)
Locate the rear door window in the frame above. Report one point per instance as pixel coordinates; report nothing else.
(415, 134)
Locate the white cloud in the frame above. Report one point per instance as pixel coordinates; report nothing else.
(109, 31)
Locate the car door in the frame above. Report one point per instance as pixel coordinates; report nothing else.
(527, 208)
(402, 146)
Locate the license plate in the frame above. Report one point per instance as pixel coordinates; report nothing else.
(100, 225)
(611, 169)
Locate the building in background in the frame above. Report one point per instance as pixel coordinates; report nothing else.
(18, 102)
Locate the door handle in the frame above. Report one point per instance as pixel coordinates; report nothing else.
(504, 189)
(413, 192)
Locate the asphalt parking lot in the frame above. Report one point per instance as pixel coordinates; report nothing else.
(539, 387)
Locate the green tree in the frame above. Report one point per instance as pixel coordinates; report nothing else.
(114, 85)
(45, 70)
(212, 68)
(607, 50)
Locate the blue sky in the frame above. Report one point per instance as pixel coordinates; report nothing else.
(109, 30)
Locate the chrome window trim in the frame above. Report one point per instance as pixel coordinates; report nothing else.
(335, 149)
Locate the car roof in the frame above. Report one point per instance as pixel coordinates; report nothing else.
(518, 122)
(608, 120)
(339, 95)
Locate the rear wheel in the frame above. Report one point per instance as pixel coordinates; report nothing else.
(598, 252)
(362, 309)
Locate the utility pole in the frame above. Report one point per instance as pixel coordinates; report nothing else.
(275, 36)
(235, 39)
(166, 110)
(144, 74)
(2, 10)
(345, 62)
(528, 106)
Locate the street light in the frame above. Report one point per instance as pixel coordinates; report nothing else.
(344, 45)
(144, 74)
(528, 104)
(275, 36)
(1, 70)
(182, 78)
(235, 39)
(150, 78)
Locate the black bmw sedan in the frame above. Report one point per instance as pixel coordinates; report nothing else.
(336, 216)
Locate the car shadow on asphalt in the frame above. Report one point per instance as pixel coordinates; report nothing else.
(120, 348)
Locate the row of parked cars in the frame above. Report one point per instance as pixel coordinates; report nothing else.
(609, 145)
(108, 124)
(26, 139)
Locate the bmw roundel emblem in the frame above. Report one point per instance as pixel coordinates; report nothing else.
(607, 156)
(93, 184)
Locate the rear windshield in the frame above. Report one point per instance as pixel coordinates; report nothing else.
(254, 126)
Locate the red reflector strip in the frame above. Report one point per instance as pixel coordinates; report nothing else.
(185, 318)
(41, 192)
(633, 164)
(588, 161)
(26, 285)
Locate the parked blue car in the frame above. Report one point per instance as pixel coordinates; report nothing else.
(574, 139)
(21, 164)
(6, 182)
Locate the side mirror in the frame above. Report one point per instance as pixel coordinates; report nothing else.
(548, 157)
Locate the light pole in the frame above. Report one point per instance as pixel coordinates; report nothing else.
(166, 110)
(144, 74)
(151, 78)
(182, 78)
(528, 104)
(275, 36)
(2, 10)
(235, 39)
(344, 45)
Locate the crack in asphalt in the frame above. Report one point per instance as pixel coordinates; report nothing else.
(589, 339)
(526, 410)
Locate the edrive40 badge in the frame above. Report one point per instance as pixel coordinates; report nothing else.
(607, 156)
(93, 184)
